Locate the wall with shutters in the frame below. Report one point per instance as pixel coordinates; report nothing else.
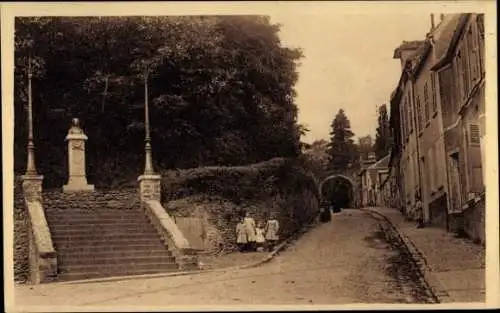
(446, 81)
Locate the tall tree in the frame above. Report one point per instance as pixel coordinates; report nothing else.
(383, 138)
(220, 89)
(342, 151)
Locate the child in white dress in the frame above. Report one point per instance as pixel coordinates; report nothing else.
(241, 236)
(259, 237)
(271, 230)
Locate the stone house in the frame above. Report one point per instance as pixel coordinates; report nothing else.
(429, 122)
(405, 154)
(437, 119)
(372, 177)
(390, 184)
(461, 79)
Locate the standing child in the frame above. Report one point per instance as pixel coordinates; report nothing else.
(271, 230)
(249, 223)
(259, 237)
(241, 235)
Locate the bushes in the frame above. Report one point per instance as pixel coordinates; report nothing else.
(279, 185)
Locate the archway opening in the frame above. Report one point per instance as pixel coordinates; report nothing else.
(338, 191)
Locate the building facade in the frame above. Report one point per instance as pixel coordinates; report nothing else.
(461, 75)
(437, 113)
(408, 144)
(372, 175)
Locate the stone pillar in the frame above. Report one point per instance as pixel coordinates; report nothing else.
(149, 187)
(77, 180)
(32, 187)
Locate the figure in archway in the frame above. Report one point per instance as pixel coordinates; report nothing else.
(337, 192)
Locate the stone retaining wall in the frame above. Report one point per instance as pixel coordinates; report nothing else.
(21, 236)
(218, 195)
(474, 222)
(111, 199)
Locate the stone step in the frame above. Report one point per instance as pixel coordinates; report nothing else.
(116, 268)
(98, 212)
(58, 223)
(106, 243)
(99, 230)
(67, 262)
(111, 224)
(124, 253)
(111, 237)
(90, 219)
(144, 247)
(127, 272)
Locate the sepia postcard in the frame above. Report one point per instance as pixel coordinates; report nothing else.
(284, 155)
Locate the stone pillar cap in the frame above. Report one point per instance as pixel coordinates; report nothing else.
(76, 136)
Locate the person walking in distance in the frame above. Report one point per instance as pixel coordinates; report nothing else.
(241, 235)
(271, 231)
(249, 223)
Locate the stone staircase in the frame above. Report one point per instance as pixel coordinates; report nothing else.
(104, 234)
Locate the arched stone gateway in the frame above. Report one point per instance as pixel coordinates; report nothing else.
(349, 189)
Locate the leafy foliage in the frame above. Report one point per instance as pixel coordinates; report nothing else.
(316, 157)
(383, 138)
(220, 92)
(342, 150)
(279, 185)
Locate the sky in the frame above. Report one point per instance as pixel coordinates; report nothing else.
(347, 64)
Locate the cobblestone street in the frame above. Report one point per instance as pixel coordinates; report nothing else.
(344, 261)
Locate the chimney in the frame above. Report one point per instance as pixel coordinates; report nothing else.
(432, 22)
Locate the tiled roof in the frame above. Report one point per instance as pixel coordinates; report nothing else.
(407, 45)
(381, 164)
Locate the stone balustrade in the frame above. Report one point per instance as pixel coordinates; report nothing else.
(183, 252)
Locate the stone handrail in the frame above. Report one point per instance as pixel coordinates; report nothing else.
(183, 252)
(42, 255)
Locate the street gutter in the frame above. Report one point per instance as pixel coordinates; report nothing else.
(437, 291)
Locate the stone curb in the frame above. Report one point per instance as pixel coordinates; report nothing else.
(437, 290)
(266, 259)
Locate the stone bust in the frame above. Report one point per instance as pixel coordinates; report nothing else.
(75, 127)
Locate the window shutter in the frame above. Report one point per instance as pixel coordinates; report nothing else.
(474, 135)
(410, 115)
(431, 162)
(419, 114)
(433, 90)
(426, 102)
(475, 169)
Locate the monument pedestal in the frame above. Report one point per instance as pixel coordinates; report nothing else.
(77, 181)
(32, 187)
(150, 187)
(78, 186)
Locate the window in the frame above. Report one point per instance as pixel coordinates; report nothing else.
(480, 28)
(403, 121)
(433, 91)
(410, 115)
(464, 74)
(472, 40)
(419, 114)
(437, 165)
(474, 135)
(430, 168)
(426, 102)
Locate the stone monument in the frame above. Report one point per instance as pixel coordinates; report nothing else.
(77, 180)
